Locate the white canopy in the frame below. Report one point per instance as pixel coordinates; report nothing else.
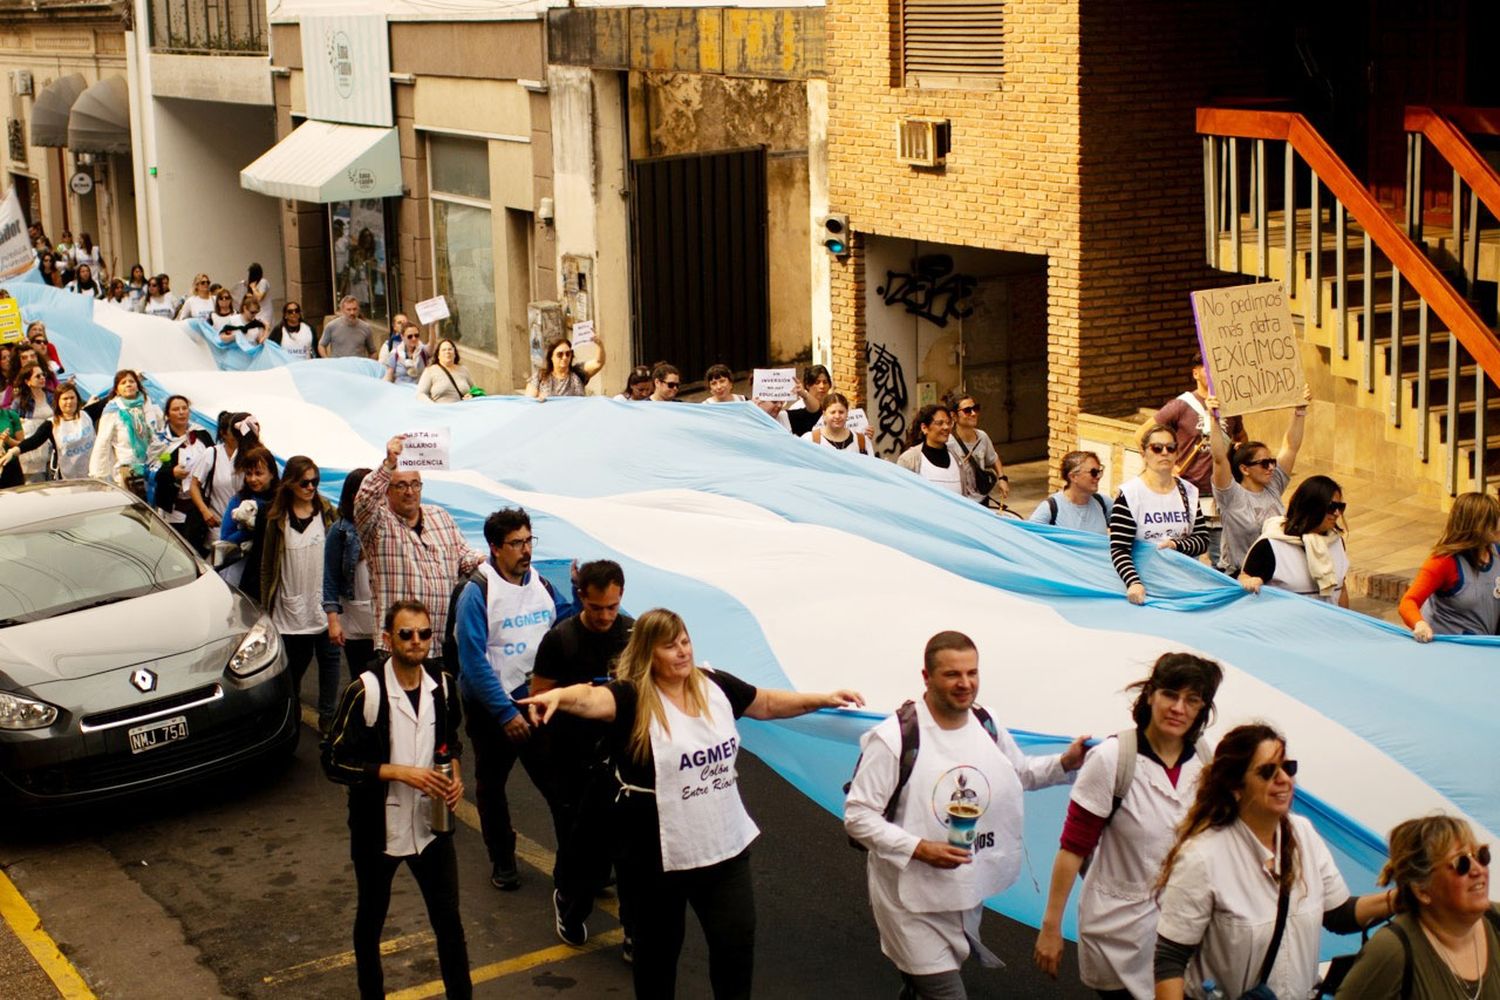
(323, 162)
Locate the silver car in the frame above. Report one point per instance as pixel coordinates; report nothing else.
(125, 661)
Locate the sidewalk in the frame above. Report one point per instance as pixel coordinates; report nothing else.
(31, 965)
(22, 976)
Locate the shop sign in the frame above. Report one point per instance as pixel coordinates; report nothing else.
(347, 66)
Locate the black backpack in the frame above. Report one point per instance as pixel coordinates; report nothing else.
(1341, 964)
(1052, 508)
(906, 717)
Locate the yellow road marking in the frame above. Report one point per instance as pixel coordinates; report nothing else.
(28, 928)
(343, 960)
(510, 966)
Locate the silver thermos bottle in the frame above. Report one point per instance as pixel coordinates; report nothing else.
(442, 816)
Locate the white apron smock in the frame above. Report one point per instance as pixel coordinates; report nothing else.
(701, 816)
(76, 439)
(358, 617)
(1159, 516)
(929, 917)
(1117, 906)
(35, 462)
(949, 478)
(408, 812)
(518, 618)
(299, 597)
(1292, 572)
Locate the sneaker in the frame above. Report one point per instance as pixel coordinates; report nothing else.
(505, 876)
(627, 950)
(574, 933)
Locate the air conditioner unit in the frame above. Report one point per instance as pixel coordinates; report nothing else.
(922, 142)
(20, 82)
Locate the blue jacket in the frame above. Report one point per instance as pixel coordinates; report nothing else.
(477, 678)
(341, 552)
(229, 530)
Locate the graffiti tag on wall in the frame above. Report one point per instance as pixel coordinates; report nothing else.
(931, 290)
(888, 382)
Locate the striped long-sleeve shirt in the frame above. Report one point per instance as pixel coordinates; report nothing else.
(1125, 530)
(421, 563)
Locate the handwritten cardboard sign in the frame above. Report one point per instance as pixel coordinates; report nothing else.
(583, 332)
(1250, 351)
(774, 385)
(433, 309)
(425, 451)
(10, 321)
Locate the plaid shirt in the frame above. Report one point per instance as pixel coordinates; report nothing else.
(407, 564)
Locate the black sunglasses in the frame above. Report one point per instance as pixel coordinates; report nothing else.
(1268, 771)
(1463, 863)
(1264, 463)
(1337, 507)
(309, 482)
(1163, 449)
(969, 409)
(671, 385)
(1096, 473)
(407, 634)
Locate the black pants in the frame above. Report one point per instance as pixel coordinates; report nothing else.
(494, 756)
(722, 897)
(300, 650)
(583, 859)
(360, 655)
(436, 871)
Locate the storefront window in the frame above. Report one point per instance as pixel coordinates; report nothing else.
(462, 240)
(357, 234)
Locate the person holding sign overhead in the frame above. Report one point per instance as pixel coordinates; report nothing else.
(560, 376)
(672, 730)
(1248, 483)
(1158, 506)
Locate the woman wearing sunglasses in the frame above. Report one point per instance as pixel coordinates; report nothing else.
(1445, 939)
(291, 575)
(36, 336)
(200, 304)
(1239, 853)
(1303, 551)
(159, 300)
(1078, 505)
(1248, 482)
(560, 376)
(295, 337)
(1158, 507)
(1457, 590)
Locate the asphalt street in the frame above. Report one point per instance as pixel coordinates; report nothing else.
(243, 888)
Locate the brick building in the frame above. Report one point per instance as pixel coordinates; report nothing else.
(1045, 262)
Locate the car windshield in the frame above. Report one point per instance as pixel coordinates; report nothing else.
(55, 567)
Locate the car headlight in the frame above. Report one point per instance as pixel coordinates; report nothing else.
(257, 650)
(17, 712)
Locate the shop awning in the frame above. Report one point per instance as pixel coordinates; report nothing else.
(49, 113)
(323, 162)
(100, 120)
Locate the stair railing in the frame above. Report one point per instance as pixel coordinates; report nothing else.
(1470, 340)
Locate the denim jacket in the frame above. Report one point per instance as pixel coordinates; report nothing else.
(341, 553)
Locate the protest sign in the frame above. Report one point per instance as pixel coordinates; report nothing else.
(431, 310)
(1250, 351)
(858, 422)
(11, 327)
(16, 253)
(774, 385)
(425, 450)
(583, 332)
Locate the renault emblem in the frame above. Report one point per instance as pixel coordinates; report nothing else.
(144, 680)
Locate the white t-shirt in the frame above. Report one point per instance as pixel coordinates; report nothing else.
(1161, 515)
(297, 341)
(1221, 896)
(164, 306)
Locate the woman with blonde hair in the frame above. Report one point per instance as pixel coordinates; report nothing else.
(1247, 885)
(672, 727)
(1457, 590)
(1158, 507)
(1445, 939)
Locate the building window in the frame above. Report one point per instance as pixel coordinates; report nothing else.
(462, 238)
(952, 43)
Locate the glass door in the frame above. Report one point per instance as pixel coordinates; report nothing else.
(359, 238)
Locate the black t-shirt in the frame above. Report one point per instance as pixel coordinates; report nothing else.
(803, 419)
(572, 653)
(640, 832)
(939, 457)
(1260, 560)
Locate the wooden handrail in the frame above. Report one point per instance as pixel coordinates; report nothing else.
(1455, 147)
(1424, 277)
(1474, 121)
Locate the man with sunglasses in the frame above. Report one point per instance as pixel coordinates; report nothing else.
(393, 726)
(415, 550)
(1188, 417)
(667, 380)
(503, 613)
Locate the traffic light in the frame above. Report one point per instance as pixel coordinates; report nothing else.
(835, 234)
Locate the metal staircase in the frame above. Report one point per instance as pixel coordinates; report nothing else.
(1406, 365)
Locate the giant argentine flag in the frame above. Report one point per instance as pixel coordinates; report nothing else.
(796, 567)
